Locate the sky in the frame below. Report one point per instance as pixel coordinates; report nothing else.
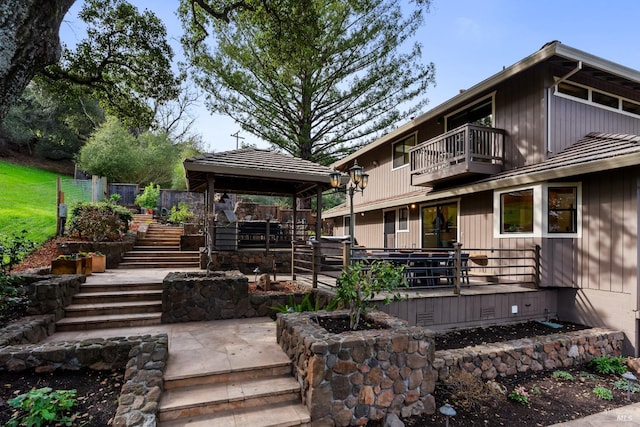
(467, 40)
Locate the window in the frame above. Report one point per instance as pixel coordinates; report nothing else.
(346, 221)
(403, 219)
(480, 113)
(549, 210)
(573, 90)
(401, 151)
(562, 210)
(516, 211)
(591, 96)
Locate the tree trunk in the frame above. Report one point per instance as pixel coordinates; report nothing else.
(29, 41)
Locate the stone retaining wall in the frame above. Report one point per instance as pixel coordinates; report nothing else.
(144, 359)
(357, 376)
(246, 260)
(113, 250)
(196, 296)
(555, 351)
(49, 294)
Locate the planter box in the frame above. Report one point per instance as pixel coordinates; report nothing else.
(353, 377)
(66, 266)
(87, 264)
(98, 263)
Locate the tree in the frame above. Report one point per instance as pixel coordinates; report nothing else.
(125, 61)
(50, 126)
(28, 42)
(316, 78)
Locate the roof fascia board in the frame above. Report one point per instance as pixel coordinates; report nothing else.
(253, 173)
(518, 180)
(487, 84)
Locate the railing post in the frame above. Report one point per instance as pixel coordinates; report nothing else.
(457, 267)
(315, 262)
(293, 260)
(536, 273)
(346, 255)
(268, 236)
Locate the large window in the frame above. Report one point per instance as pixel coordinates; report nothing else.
(547, 210)
(401, 151)
(440, 225)
(516, 211)
(480, 113)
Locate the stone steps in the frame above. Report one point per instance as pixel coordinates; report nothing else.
(113, 308)
(263, 395)
(84, 323)
(116, 296)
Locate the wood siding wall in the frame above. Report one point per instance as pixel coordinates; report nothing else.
(572, 120)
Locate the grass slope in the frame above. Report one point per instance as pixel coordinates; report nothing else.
(27, 201)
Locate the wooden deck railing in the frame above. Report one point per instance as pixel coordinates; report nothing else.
(469, 144)
(425, 268)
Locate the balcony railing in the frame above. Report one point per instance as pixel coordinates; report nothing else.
(469, 150)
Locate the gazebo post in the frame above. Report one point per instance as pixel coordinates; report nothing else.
(294, 219)
(210, 217)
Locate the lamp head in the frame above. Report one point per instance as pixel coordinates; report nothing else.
(355, 172)
(334, 179)
(364, 180)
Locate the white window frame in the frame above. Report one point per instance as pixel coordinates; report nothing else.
(590, 102)
(345, 229)
(491, 96)
(398, 141)
(540, 211)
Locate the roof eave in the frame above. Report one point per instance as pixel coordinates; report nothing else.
(537, 57)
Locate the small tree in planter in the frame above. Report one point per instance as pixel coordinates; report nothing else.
(149, 197)
(360, 283)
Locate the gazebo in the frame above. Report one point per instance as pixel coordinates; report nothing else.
(255, 171)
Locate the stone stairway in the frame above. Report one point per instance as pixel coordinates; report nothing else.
(100, 305)
(160, 248)
(259, 396)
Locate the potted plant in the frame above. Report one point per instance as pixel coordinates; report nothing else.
(98, 262)
(149, 197)
(66, 264)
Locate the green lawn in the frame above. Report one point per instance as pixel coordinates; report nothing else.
(27, 201)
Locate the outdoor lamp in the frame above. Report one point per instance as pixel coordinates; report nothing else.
(448, 411)
(355, 173)
(364, 180)
(334, 179)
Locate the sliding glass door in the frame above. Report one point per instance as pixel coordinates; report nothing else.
(440, 225)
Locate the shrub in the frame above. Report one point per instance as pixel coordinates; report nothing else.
(360, 283)
(607, 365)
(13, 249)
(563, 375)
(520, 395)
(149, 197)
(292, 307)
(603, 393)
(42, 407)
(100, 221)
(180, 214)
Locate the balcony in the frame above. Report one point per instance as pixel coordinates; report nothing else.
(469, 151)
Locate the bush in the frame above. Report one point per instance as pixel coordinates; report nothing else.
(609, 364)
(149, 197)
(12, 250)
(43, 407)
(100, 221)
(180, 214)
(360, 283)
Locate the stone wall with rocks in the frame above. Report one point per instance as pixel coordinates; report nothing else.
(27, 330)
(357, 376)
(144, 359)
(555, 351)
(113, 250)
(246, 260)
(196, 296)
(49, 294)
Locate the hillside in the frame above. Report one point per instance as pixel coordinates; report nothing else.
(28, 200)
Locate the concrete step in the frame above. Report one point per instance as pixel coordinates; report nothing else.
(160, 264)
(233, 376)
(287, 414)
(161, 259)
(68, 324)
(116, 287)
(158, 254)
(155, 248)
(157, 242)
(117, 296)
(215, 398)
(113, 308)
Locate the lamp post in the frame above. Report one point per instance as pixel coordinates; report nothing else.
(358, 181)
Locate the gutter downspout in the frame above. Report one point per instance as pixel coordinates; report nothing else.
(554, 86)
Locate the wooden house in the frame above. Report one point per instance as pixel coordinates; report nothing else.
(544, 154)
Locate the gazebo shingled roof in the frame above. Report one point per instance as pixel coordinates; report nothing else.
(257, 171)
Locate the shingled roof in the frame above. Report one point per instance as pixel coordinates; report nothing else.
(257, 171)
